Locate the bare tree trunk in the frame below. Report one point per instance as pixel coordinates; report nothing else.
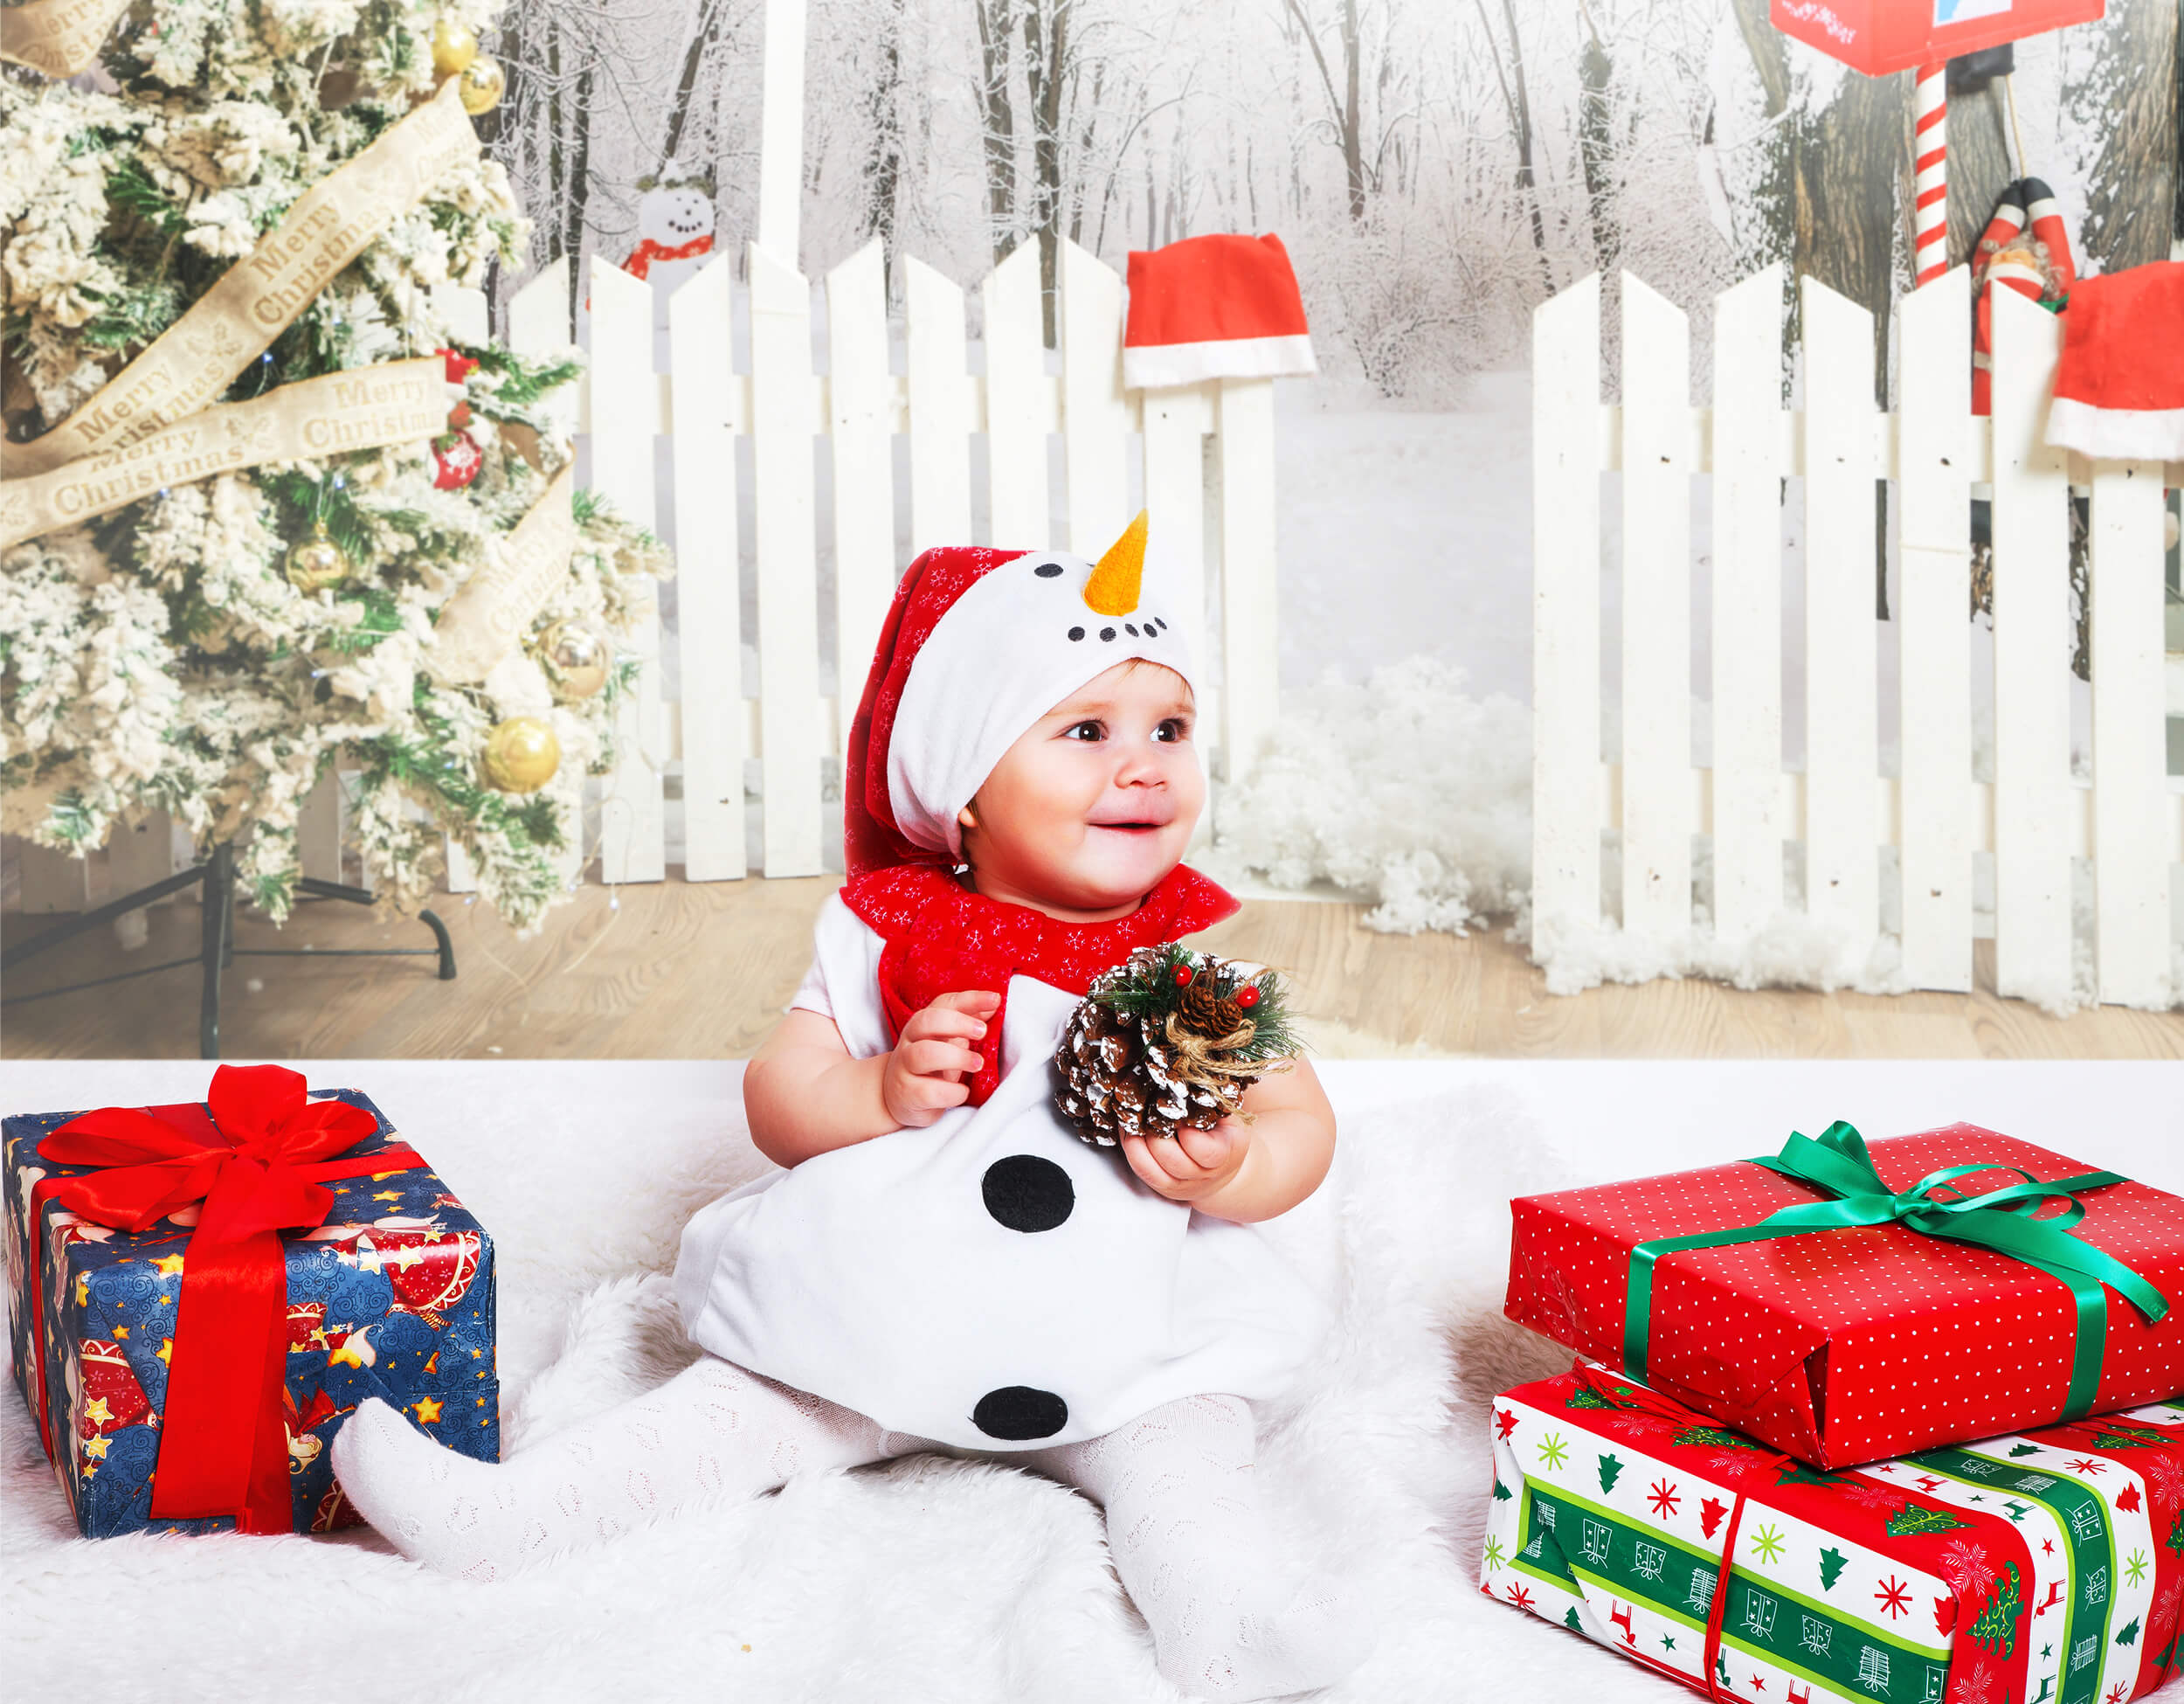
(884, 150)
(579, 195)
(1084, 149)
(1982, 164)
(1520, 123)
(2130, 97)
(557, 184)
(1343, 106)
(1596, 146)
(701, 38)
(995, 19)
(1046, 62)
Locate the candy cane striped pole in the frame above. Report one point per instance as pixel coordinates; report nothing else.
(1930, 146)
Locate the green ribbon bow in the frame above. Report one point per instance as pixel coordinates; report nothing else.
(1999, 1220)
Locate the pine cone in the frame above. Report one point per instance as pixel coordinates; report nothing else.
(1118, 1070)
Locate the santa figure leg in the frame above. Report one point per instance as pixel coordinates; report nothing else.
(1230, 1617)
(715, 1432)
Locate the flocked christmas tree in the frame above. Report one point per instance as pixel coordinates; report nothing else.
(261, 515)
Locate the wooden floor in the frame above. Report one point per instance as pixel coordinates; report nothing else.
(679, 971)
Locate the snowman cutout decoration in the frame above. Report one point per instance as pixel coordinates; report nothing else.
(988, 1281)
(674, 229)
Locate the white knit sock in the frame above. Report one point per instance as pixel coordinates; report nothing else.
(1195, 1552)
(715, 1431)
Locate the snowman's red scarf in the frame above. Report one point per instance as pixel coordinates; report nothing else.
(942, 939)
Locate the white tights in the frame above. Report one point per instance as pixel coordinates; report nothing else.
(1186, 1528)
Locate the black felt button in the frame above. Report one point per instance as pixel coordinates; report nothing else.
(1027, 1192)
(1017, 1411)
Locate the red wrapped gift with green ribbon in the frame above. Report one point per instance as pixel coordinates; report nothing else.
(1846, 1302)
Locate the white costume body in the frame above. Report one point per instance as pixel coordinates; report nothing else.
(876, 1276)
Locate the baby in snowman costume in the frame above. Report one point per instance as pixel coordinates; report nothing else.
(945, 1265)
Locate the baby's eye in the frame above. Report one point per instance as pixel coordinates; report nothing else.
(1091, 733)
(1174, 731)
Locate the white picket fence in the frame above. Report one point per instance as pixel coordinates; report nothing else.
(701, 405)
(2035, 817)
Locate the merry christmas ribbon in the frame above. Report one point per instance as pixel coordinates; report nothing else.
(477, 626)
(1839, 1164)
(361, 408)
(332, 222)
(57, 37)
(258, 1163)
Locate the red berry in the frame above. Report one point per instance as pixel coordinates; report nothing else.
(1183, 976)
(1247, 998)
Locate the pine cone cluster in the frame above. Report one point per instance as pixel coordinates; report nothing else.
(1121, 1072)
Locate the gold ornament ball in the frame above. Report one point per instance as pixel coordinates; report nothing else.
(522, 754)
(315, 562)
(576, 658)
(482, 83)
(454, 47)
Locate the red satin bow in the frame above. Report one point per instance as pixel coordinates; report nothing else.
(257, 1164)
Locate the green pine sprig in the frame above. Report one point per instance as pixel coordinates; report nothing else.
(1145, 987)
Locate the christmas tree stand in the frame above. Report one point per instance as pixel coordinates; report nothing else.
(218, 950)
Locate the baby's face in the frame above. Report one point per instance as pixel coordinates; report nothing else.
(1096, 801)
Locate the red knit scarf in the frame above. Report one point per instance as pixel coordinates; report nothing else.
(943, 939)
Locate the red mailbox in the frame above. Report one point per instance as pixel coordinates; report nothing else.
(1881, 36)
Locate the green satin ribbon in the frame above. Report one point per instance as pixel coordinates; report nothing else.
(1999, 1220)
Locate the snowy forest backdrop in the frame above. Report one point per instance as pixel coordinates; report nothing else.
(1436, 168)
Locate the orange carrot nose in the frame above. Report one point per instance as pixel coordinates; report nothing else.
(1112, 587)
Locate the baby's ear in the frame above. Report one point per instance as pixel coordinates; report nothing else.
(965, 820)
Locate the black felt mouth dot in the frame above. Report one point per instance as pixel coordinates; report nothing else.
(1164, 625)
(1018, 1411)
(1107, 633)
(1130, 628)
(1077, 632)
(1046, 570)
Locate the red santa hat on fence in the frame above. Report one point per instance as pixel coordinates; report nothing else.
(1218, 307)
(2119, 386)
(977, 645)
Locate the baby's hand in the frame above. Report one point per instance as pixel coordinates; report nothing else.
(928, 1072)
(1193, 1163)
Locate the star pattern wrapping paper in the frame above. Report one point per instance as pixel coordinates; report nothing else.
(1850, 1345)
(2037, 1568)
(392, 1297)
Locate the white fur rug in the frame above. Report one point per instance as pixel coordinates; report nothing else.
(931, 1579)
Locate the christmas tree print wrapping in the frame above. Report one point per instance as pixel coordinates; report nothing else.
(1844, 1346)
(2042, 1567)
(392, 1297)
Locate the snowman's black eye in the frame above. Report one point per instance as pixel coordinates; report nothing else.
(1046, 570)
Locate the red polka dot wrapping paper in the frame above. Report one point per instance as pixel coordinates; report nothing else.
(2044, 1567)
(1841, 1347)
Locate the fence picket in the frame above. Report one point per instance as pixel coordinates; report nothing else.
(633, 810)
(1249, 654)
(788, 592)
(1656, 613)
(1565, 634)
(1747, 638)
(1843, 829)
(709, 603)
(1935, 476)
(2130, 805)
(861, 402)
(1015, 433)
(1176, 421)
(1095, 420)
(940, 409)
(2033, 794)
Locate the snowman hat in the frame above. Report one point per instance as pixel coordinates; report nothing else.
(977, 646)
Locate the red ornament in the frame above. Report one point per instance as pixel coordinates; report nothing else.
(455, 460)
(458, 365)
(1248, 997)
(1183, 976)
(459, 416)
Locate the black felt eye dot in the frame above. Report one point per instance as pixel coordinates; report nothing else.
(1046, 570)
(1107, 633)
(1017, 1411)
(1027, 1193)
(1077, 632)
